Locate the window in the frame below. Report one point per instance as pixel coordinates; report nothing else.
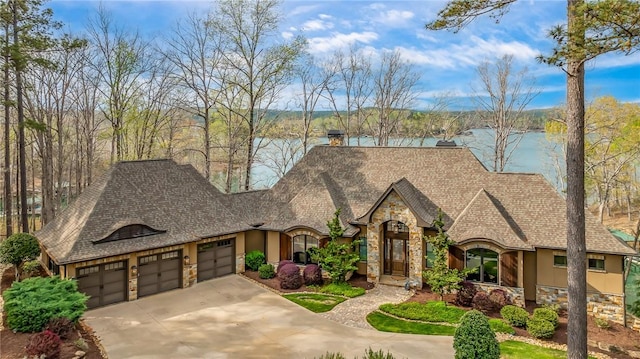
(596, 264)
(431, 256)
(363, 249)
(485, 262)
(303, 246)
(559, 260)
(53, 267)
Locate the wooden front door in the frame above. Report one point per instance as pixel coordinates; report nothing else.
(396, 258)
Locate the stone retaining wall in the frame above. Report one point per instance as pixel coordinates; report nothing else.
(516, 295)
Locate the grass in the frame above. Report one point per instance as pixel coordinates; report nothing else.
(386, 323)
(317, 303)
(512, 349)
(434, 311)
(343, 289)
(500, 326)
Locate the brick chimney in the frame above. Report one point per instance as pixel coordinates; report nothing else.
(336, 137)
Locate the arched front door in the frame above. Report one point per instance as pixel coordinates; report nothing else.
(396, 249)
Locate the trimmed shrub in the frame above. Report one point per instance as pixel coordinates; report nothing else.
(370, 354)
(540, 328)
(290, 277)
(18, 248)
(499, 298)
(254, 259)
(312, 275)
(482, 302)
(44, 343)
(555, 307)
(515, 315)
(464, 296)
(281, 265)
(546, 314)
(474, 339)
(266, 271)
(32, 303)
(61, 327)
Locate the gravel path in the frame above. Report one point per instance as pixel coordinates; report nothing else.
(353, 312)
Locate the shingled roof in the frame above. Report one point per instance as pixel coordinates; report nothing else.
(160, 194)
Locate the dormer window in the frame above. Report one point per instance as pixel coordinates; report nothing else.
(130, 231)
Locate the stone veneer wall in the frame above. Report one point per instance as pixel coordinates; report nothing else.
(393, 208)
(600, 305)
(240, 263)
(516, 295)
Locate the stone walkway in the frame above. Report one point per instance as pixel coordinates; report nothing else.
(353, 312)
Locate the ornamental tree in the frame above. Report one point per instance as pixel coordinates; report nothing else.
(337, 259)
(19, 248)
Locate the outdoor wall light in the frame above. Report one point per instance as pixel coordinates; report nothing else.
(186, 260)
(134, 270)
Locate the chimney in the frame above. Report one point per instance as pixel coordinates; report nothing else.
(336, 137)
(445, 143)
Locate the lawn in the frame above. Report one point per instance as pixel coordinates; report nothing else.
(434, 311)
(317, 303)
(386, 323)
(343, 289)
(512, 349)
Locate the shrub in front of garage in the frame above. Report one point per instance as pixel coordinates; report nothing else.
(266, 271)
(254, 259)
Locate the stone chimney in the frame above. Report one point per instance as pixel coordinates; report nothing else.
(336, 137)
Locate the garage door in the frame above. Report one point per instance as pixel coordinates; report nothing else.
(103, 283)
(215, 259)
(159, 273)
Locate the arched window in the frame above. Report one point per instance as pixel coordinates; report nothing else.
(485, 261)
(303, 246)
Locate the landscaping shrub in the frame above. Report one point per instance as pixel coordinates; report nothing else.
(60, 326)
(474, 339)
(312, 275)
(254, 259)
(540, 328)
(499, 298)
(464, 296)
(283, 263)
(555, 307)
(515, 315)
(266, 271)
(546, 314)
(290, 277)
(482, 302)
(44, 343)
(29, 305)
(30, 268)
(18, 248)
(370, 354)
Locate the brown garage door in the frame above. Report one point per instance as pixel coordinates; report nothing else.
(104, 283)
(215, 259)
(159, 273)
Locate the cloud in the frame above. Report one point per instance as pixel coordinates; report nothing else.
(395, 18)
(317, 25)
(287, 35)
(299, 10)
(339, 40)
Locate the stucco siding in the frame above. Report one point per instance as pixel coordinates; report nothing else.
(272, 252)
(530, 275)
(255, 240)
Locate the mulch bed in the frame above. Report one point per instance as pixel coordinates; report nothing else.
(13, 344)
(356, 280)
(616, 335)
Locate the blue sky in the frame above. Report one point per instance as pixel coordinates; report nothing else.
(447, 61)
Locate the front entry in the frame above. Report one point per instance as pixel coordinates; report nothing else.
(396, 249)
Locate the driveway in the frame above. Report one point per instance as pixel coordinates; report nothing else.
(231, 317)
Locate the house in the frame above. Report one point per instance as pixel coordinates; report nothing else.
(151, 226)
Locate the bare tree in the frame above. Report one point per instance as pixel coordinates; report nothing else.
(314, 82)
(394, 85)
(502, 99)
(261, 69)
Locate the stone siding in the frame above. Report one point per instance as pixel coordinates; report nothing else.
(393, 208)
(516, 295)
(192, 276)
(633, 322)
(240, 263)
(133, 287)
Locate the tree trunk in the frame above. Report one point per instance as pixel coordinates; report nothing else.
(21, 142)
(576, 246)
(8, 193)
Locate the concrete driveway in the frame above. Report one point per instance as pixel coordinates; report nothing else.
(231, 317)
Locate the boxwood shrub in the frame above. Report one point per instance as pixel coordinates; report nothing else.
(546, 314)
(474, 339)
(32, 303)
(515, 315)
(254, 259)
(540, 328)
(266, 271)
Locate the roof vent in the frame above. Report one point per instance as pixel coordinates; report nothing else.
(336, 137)
(445, 143)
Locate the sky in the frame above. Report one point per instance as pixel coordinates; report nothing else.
(447, 62)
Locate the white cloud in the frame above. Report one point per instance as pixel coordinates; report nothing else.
(317, 25)
(325, 16)
(299, 10)
(339, 40)
(287, 35)
(395, 18)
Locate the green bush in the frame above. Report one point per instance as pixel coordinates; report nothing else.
(18, 248)
(515, 315)
(30, 268)
(474, 339)
(254, 260)
(267, 271)
(370, 354)
(31, 304)
(540, 328)
(546, 314)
